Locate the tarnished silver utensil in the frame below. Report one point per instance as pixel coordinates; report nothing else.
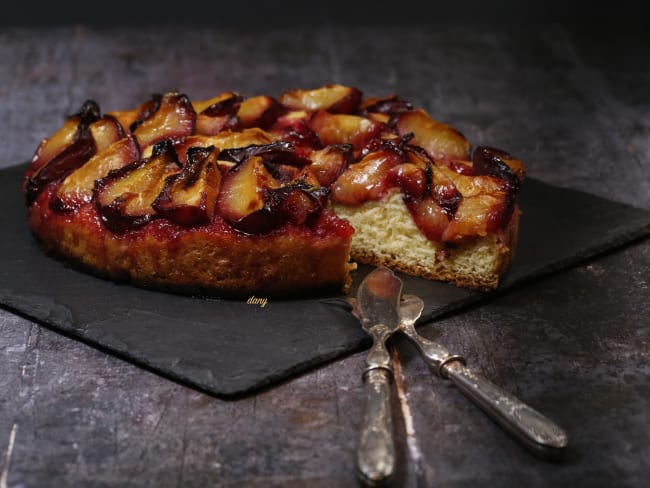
(534, 430)
(377, 308)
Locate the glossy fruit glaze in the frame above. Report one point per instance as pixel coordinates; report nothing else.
(257, 165)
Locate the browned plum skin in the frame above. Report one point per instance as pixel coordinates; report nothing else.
(120, 153)
(147, 109)
(72, 157)
(113, 212)
(298, 186)
(199, 164)
(228, 106)
(490, 161)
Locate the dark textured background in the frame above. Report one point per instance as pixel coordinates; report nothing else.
(564, 89)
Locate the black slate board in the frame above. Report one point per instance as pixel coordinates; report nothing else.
(228, 347)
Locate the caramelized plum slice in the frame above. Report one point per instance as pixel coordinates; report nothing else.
(298, 201)
(439, 140)
(336, 99)
(222, 104)
(476, 216)
(269, 152)
(241, 200)
(485, 205)
(473, 185)
(308, 177)
(260, 111)
(429, 217)
(208, 126)
(328, 163)
(125, 196)
(77, 187)
(189, 197)
(445, 192)
(52, 146)
(71, 152)
(494, 162)
(225, 139)
(174, 118)
(294, 127)
(106, 131)
(411, 179)
(130, 119)
(366, 180)
(345, 129)
(217, 114)
(390, 106)
(431, 197)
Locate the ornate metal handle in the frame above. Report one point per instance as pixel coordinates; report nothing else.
(528, 425)
(531, 428)
(376, 449)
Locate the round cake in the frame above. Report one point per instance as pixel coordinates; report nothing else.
(273, 196)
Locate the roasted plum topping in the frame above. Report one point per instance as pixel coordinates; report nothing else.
(297, 202)
(411, 179)
(174, 118)
(476, 216)
(189, 197)
(278, 151)
(484, 207)
(133, 118)
(225, 106)
(396, 144)
(212, 104)
(431, 197)
(260, 111)
(429, 217)
(242, 194)
(80, 148)
(254, 201)
(218, 114)
(494, 162)
(206, 125)
(462, 167)
(294, 127)
(444, 192)
(125, 196)
(391, 106)
(297, 205)
(336, 99)
(284, 173)
(225, 139)
(499, 164)
(344, 129)
(308, 177)
(53, 146)
(261, 221)
(366, 180)
(77, 187)
(106, 131)
(260, 162)
(439, 140)
(328, 163)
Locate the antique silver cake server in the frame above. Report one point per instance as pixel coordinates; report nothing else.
(542, 436)
(377, 308)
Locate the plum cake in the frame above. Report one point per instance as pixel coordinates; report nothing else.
(275, 196)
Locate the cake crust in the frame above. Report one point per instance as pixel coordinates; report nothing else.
(209, 260)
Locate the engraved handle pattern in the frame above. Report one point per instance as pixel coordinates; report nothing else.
(534, 430)
(526, 424)
(376, 449)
